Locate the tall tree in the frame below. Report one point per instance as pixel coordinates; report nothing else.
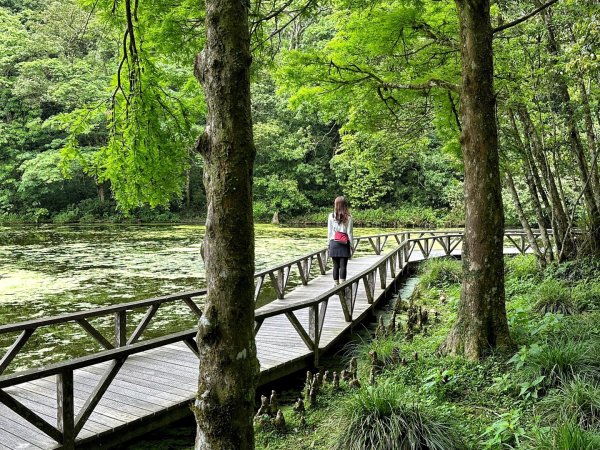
(481, 324)
(228, 364)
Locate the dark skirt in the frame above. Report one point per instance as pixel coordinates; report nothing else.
(339, 250)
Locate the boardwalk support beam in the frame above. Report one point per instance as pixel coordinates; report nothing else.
(65, 413)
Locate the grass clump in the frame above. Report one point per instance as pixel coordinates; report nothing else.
(582, 327)
(567, 436)
(440, 273)
(382, 417)
(554, 297)
(564, 361)
(577, 400)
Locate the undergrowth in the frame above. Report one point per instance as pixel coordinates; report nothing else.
(545, 396)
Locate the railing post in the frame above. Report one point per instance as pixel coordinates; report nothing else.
(281, 287)
(313, 330)
(120, 328)
(383, 274)
(65, 413)
(322, 260)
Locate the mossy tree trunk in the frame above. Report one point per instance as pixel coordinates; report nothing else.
(481, 324)
(228, 365)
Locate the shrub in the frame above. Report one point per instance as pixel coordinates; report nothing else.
(554, 297)
(70, 215)
(586, 296)
(260, 210)
(577, 400)
(101, 210)
(440, 273)
(381, 418)
(506, 432)
(577, 270)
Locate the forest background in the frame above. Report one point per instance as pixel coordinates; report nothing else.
(349, 97)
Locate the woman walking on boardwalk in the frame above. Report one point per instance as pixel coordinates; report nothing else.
(339, 235)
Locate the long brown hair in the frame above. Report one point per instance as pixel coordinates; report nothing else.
(340, 210)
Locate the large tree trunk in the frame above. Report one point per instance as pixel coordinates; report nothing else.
(228, 365)
(481, 324)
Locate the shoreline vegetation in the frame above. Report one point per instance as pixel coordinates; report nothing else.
(95, 213)
(545, 394)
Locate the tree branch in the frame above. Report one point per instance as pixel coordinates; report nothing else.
(524, 18)
(434, 82)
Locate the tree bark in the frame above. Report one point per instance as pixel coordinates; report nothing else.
(542, 218)
(229, 368)
(523, 219)
(100, 189)
(481, 325)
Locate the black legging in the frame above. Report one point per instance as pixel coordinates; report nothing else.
(339, 268)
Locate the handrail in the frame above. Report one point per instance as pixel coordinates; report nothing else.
(95, 312)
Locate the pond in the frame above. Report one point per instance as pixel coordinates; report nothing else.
(49, 270)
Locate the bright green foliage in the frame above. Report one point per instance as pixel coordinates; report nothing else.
(587, 296)
(505, 432)
(440, 273)
(154, 107)
(346, 71)
(53, 59)
(292, 171)
(522, 267)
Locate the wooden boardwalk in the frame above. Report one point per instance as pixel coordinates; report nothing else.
(129, 389)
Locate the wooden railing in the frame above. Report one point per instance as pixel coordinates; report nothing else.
(120, 346)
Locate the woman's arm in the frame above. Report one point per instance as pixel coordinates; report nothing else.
(350, 239)
(329, 229)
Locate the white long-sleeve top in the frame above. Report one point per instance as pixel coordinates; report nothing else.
(333, 226)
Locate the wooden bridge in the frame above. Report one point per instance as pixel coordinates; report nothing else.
(138, 381)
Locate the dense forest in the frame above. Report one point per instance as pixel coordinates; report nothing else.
(347, 97)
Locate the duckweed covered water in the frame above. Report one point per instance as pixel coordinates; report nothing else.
(49, 270)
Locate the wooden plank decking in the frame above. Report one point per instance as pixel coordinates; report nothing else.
(157, 386)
